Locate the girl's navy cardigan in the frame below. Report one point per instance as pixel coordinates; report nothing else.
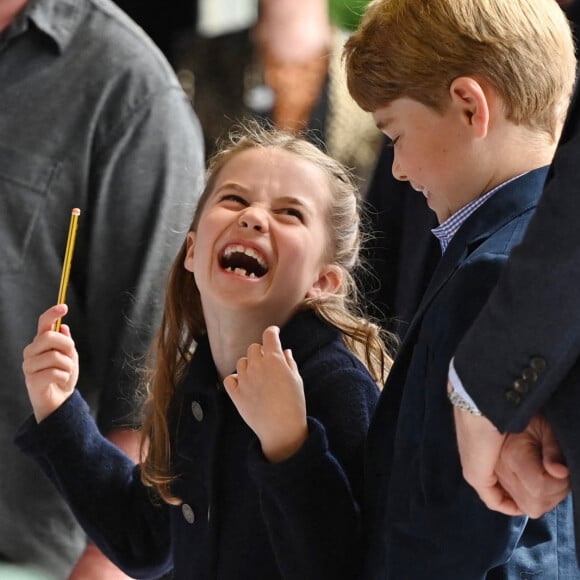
(242, 517)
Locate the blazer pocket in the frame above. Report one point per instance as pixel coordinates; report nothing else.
(25, 181)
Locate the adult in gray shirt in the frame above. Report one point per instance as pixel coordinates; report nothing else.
(91, 116)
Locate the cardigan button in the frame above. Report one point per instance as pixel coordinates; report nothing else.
(197, 411)
(188, 514)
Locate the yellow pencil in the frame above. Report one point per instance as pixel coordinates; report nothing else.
(70, 244)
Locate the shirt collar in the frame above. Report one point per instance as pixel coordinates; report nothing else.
(58, 19)
(445, 231)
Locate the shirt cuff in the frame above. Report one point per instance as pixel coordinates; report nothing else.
(459, 391)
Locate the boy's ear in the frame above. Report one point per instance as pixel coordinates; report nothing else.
(468, 95)
(188, 262)
(328, 282)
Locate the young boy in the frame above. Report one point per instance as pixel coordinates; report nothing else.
(473, 96)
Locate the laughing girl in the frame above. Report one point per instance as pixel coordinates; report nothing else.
(263, 382)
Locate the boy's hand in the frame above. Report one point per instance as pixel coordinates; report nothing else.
(50, 364)
(269, 395)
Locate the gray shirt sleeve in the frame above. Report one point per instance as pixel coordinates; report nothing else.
(144, 187)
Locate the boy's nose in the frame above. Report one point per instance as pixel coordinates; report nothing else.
(398, 172)
(254, 218)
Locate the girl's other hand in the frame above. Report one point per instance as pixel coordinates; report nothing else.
(50, 364)
(268, 392)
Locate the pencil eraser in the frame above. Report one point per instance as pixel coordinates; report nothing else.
(76, 211)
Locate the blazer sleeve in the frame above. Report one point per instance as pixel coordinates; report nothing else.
(527, 338)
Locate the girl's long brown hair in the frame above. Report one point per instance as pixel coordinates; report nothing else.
(183, 323)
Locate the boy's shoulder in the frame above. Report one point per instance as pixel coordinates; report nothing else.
(501, 221)
(472, 263)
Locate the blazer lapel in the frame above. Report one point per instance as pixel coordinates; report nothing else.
(515, 198)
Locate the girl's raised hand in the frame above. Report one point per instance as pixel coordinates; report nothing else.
(268, 392)
(50, 364)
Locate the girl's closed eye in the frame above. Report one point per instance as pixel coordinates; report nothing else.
(292, 212)
(233, 199)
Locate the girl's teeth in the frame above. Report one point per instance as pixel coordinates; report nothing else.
(241, 272)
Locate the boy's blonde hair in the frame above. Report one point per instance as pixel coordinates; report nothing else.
(415, 48)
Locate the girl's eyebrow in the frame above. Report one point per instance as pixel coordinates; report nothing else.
(232, 185)
(293, 201)
(287, 199)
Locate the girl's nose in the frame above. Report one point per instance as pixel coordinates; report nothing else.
(254, 218)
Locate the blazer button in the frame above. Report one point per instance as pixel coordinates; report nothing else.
(513, 397)
(520, 386)
(530, 375)
(538, 363)
(188, 514)
(197, 411)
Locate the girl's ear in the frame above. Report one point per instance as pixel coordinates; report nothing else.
(472, 102)
(188, 262)
(328, 282)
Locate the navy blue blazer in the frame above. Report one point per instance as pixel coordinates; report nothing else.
(242, 517)
(423, 520)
